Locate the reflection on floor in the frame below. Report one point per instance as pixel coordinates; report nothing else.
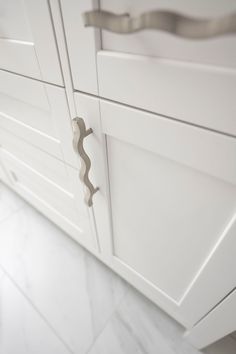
(55, 298)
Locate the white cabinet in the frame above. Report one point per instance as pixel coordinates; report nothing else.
(162, 146)
(27, 43)
(168, 189)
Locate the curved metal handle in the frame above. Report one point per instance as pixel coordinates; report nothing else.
(80, 132)
(182, 26)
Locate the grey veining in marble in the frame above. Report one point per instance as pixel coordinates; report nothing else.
(55, 298)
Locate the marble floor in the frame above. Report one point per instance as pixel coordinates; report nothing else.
(55, 298)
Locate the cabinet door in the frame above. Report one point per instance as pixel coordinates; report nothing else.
(172, 206)
(27, 43)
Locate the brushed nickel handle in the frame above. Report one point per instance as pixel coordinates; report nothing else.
(172, 22)
(80, 132)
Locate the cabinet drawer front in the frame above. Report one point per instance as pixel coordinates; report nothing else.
(27, 43)
(38, 113)
(219, 51)
(51, 168)
(201, 95)
(62, 204)
(186, 79)
(173, 202)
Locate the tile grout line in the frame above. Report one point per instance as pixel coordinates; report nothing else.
(12, 280)
(108, 320)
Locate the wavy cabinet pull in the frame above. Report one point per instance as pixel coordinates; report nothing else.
(80, 132)
(172, 22)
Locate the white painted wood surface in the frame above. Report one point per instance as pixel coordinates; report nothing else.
(27, 42)
(48, 166)
(218, 324)
(188, 92)
(164, 216)
(215, 51)
(59, 199)
(172, 209)
(170, 193)
(36, 133)
(82, 44)
(215, 279)
(87, 107)
(38, 113)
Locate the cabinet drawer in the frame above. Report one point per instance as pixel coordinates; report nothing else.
(219, 50)
(191, 80)
(59, 197)
(38, 113)
(51, 168)
(197, 94)
(27, 43)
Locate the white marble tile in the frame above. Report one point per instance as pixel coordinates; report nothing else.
(79, 296)
(22, 330)
(138, 326)
(74, 291)
(9, 202)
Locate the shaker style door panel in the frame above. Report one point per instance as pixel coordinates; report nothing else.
(27, 43)
(37, 113)
(173, 208)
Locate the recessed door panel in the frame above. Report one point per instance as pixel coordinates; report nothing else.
(172, 198)
(27, 42)
(166, 217)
